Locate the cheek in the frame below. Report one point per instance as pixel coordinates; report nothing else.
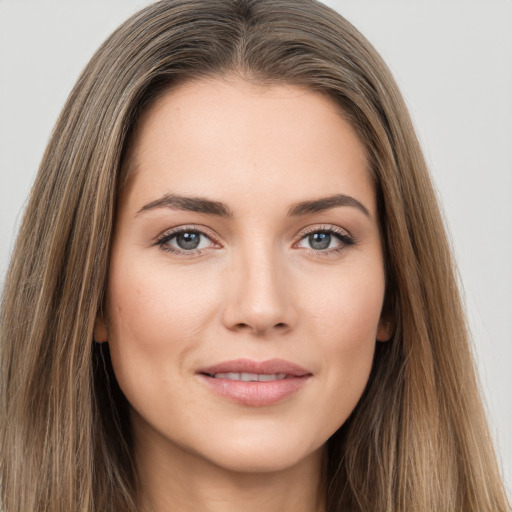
(154, 316)
(347, 309)
(347, 342)
(345, 329)
(157, 301)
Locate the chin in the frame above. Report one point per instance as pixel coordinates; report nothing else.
(253, 461)
(262, 453)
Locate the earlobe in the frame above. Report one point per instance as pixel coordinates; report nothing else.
(384, 330)
(100, 330)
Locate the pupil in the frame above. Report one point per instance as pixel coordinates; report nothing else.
(188, 240)
(320, 240)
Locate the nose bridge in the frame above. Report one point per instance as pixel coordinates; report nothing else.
(259, 299)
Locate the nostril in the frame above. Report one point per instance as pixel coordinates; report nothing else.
(261, 329)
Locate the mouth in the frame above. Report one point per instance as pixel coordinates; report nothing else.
(250, 377)
(255, 383)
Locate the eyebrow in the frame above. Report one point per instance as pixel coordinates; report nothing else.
(189, 204)
(209, 207)
(326, 203)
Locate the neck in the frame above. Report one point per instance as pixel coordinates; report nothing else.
(175, 480)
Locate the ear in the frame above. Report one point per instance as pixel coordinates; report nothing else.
(100, 329)
(385, 328)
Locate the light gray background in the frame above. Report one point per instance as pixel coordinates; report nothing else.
(453, 61)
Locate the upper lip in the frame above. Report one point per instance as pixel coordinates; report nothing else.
(268, 367)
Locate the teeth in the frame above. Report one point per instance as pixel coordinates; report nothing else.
(250, 377)
(272, 376)
(265, 378)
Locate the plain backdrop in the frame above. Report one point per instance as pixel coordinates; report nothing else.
(453, 61)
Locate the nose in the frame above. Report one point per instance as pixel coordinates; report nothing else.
(260, 298)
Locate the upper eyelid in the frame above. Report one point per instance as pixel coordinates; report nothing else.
(207, 232)
(325, 227)
(171, 232)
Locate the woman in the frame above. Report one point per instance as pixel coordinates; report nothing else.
(223, 296)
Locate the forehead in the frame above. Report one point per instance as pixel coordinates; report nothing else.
(226, 132)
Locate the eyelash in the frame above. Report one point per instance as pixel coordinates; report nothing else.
(344, 238)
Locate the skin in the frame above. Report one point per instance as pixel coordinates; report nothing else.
(256, 288)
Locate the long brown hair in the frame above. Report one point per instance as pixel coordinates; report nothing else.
(418, 438)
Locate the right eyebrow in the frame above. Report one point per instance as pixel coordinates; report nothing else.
(189, 204)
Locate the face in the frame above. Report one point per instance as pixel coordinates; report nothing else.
(247, 278)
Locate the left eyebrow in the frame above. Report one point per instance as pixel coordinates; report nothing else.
(326, 203)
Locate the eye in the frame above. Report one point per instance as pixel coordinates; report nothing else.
(185, 241)
(327, 240)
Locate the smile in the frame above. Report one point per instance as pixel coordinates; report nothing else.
(255, 383)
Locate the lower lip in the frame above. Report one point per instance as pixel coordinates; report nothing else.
(255, 394)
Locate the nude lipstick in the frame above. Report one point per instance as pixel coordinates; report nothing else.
(255, 383)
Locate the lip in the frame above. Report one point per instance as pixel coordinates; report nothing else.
(255, 394)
